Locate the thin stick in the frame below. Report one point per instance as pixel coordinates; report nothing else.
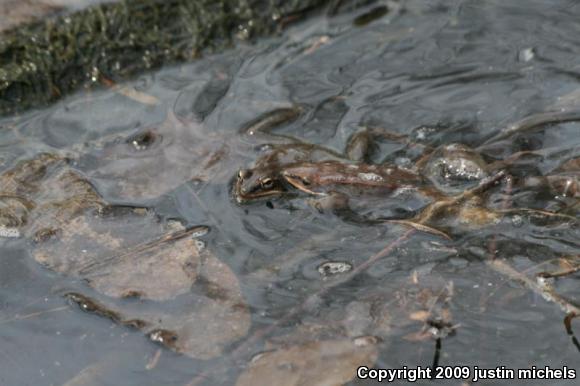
(545, 291)
(131, 250)
(565, 272)
(33, 314)
(535, 121)
(540, 287)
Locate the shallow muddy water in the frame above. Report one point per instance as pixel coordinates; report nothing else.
(284, 275)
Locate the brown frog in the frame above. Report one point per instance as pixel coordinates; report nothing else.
(448, 181)
(300, 165)
(336, 181)
(449, 169)
(316, 169)
(265, 178)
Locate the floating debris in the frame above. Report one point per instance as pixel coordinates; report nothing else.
(9, 232)
(199, 231)
(526, 54)
(331, 268)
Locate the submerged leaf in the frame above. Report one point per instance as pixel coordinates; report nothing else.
(213, 316)
(125, 252)
(332, 362)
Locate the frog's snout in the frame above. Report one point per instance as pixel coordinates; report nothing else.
(243, 174)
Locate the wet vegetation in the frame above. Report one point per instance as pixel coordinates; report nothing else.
(43, 61)
(341, 195)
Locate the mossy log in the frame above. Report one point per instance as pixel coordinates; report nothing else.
(43, 61)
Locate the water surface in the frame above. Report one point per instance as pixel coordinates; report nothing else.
(438, 71)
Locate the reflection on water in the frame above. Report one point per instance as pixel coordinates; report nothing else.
(474, 106)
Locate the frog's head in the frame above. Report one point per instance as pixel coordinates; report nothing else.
(253, 184)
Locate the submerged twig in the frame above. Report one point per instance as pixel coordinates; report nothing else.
(539, 287)
(562, 273)
(535, 121)
(135, 249)
(568, 325)
(33, 314)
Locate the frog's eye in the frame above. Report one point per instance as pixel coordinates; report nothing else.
(267, 183)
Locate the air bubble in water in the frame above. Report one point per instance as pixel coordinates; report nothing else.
(331, 268)
(200, 245)
(517, 221)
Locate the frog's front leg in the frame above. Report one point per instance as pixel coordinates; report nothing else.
(338, 204)
(328, 202)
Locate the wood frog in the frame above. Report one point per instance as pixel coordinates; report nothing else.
(335, 180)
(431, 191)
